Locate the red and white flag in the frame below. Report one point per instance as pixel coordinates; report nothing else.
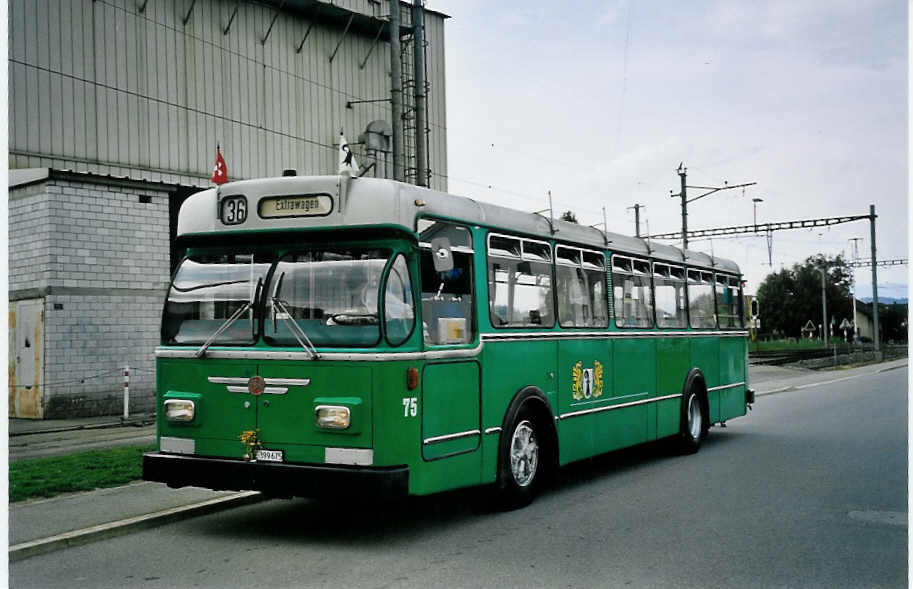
(220, 170)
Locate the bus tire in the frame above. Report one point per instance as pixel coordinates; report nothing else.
(522, 459)
(694, 424)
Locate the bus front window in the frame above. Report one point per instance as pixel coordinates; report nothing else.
(332, 295)
(206, 293)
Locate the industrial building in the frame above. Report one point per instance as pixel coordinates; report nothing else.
(116, 110)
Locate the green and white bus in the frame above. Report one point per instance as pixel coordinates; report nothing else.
(353, 336)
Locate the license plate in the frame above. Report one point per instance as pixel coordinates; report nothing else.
(269, 455)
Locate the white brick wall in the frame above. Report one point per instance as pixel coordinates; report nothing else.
(101, 259)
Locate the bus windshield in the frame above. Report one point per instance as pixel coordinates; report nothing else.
(331, 294)
(207, 292)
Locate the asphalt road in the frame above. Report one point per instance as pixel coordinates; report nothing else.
(809, 490)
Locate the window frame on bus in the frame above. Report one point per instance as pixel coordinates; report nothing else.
(632, 272)
(712, 282)
(580, 264)
(382, 303)
(734, 284)
(533, 254)
(685, 322)
(469, 250)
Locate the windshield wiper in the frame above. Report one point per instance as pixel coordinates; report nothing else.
(229, 322)
(296, 330)
(352, 318)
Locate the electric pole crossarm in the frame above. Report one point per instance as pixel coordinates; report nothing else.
(712, 189)
(881, 263)
(783, 225)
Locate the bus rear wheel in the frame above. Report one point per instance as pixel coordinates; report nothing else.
(520, 463)
(694, 424)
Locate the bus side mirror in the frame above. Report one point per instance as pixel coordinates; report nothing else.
(441, 254)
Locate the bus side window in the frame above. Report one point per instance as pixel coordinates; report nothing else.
(447, 297)
(632, 291)
(700, 299)
(580, 284)
(519, 282)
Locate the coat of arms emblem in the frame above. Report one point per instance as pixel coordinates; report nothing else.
(587, 381)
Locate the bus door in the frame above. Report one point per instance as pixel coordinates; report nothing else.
(584, 352)
(450, 393)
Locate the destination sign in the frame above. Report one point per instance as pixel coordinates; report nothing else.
(311, 205)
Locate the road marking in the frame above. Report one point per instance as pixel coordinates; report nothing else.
(891, 518)
(800, 387)
(73, 538)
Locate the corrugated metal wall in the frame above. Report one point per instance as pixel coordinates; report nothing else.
(102, 86)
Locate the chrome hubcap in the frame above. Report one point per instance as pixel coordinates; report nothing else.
(695, 419)
(524, 454)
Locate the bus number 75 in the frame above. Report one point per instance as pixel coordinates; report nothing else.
(410, 406)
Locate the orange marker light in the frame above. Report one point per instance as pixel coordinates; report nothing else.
(411, 377)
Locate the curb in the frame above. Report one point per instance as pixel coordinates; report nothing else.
(129, 525)
(137, 422)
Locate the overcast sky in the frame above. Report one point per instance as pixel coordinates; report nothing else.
(600, 101)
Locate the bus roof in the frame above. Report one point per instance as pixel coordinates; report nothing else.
(277, 203)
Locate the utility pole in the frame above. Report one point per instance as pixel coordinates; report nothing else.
(855, 241)
(875, 335)
(683, 175)
(755, 202)
(824, 324)
(396, 92)
(418, 62)
(637, 208)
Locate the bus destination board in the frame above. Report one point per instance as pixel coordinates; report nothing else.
(309, 205)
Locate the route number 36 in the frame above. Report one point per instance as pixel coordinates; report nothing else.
(410, 406)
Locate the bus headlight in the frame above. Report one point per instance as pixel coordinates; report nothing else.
(333, 417)
(179, 410)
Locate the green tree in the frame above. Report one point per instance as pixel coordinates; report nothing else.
(788, 299)
(569, 216)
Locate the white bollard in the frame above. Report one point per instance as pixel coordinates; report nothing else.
(126, 391)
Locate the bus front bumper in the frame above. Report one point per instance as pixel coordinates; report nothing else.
(278, 479)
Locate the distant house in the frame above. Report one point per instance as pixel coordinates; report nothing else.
(864, 319)
(892, 321)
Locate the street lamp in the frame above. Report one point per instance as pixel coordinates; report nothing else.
(755, 202)
(823, 306)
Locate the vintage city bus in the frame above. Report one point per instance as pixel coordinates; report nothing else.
(335, 335)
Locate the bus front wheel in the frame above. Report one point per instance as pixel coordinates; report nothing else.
(520, 464)
(694, 424)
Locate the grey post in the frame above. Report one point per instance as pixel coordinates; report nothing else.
(874, 281)
(418, 63)
(396, 92)
(824, 324)
(683, 174)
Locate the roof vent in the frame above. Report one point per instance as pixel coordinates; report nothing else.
(290, 172)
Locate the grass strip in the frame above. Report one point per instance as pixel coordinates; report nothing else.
(82, 471)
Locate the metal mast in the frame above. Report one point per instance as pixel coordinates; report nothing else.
(418, 61)
(396, 92)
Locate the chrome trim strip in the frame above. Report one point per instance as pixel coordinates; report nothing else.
(492, 430)
(619, 406)
(292, 382)
(555, 335)
(448, 437)
(337, 356)
(266, 390)
(726, 386)
(161, 352)
(228, 380)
